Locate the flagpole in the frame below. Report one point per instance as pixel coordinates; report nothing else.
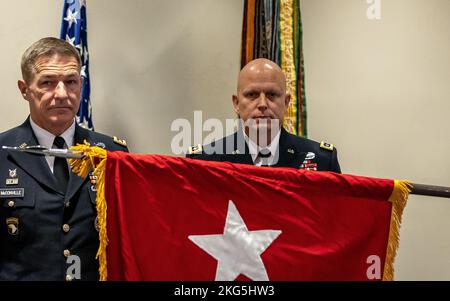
(418, 189)
(429, 190)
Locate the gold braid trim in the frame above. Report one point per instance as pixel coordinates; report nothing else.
(398, 198)
(95, 159)
(288, 61)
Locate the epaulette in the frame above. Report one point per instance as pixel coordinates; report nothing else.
(327, 146)
(122, 142)
(196, 149)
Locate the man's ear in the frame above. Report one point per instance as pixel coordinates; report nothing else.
(287, 100)
(23, 88)
(236, 104)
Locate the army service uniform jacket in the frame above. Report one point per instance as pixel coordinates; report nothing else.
(294, 151)
(41, 228)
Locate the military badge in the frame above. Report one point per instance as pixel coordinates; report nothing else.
(100, 144)
(93, 179)
(119, 141)
(327, 146)
(12, 180)
(13, 173)
(197, 149)
(310, 156)
(309, 166)
(13, 225)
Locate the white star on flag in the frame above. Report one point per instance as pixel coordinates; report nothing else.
(84, 124)
(83, 71)
(80, 49)
(71, 17)
(89, 109)
(85, 55)
(237, 250)
(70, 40)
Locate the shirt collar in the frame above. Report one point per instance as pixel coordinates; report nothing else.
(45, 138)
(254, 148)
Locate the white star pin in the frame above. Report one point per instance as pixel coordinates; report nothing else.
(237, 250)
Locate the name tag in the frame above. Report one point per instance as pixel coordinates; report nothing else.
(12, 193)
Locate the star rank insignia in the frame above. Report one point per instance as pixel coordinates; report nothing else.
(197, 149)
(122, 142)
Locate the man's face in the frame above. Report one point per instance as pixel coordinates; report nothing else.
(53, 92)
(261, 97)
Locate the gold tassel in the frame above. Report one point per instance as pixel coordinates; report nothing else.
(398, 199)
(95, 159)
(288, 61)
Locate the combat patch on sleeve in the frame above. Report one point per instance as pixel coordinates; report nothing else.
(197, 149)
(327, 146)
(122, 142)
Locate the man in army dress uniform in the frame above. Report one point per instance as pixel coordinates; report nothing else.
(48, 214)
(261, 103)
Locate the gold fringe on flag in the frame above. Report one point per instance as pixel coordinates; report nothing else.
(95, 159)
(288, 61)
(398, 199)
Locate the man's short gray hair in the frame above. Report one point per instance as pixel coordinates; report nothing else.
(46, 47)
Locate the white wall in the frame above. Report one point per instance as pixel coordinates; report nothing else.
(378, 90)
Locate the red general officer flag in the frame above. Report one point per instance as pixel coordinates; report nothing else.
(171, 218)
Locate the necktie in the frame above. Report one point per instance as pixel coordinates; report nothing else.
(264, 154)
(60, 168)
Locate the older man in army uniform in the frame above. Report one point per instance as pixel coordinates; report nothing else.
(48, 214)
(261, 103)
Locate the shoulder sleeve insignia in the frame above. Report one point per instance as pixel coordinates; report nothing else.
(327, 146)
(197, 149)
(122, 142)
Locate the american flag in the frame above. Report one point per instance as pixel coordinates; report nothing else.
(74, 31)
